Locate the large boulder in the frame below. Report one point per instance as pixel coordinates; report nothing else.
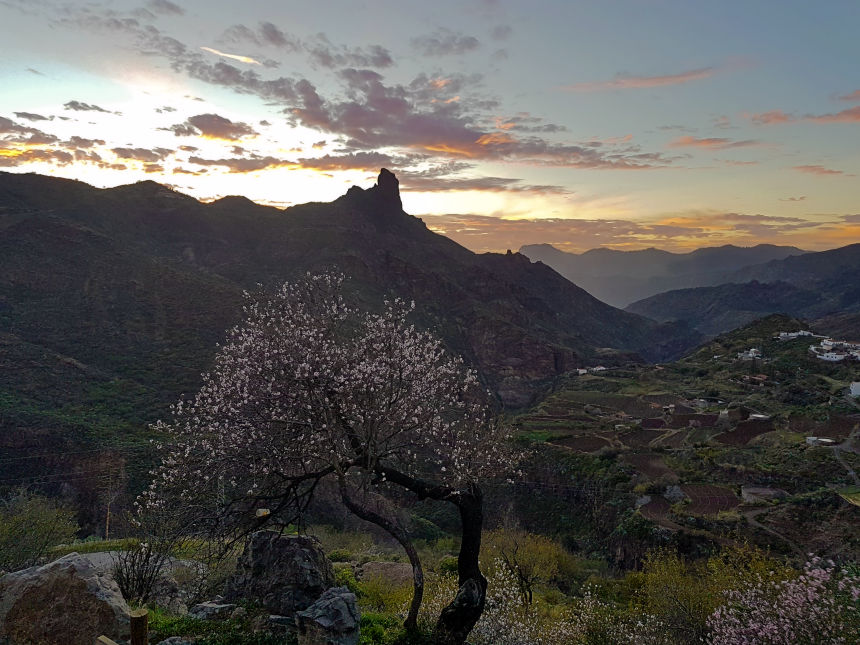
(65, 602)
(284, 573)
(332, 620)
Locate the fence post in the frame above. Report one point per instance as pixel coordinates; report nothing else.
(139, 623)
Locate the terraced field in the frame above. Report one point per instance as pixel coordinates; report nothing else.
(708, 499)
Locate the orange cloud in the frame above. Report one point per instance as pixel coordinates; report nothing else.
(494, 139)
(241, 59)
(638, 82)
(818, 170)
(851, 115)
(772, 117)
(854, 96)
(712, 143)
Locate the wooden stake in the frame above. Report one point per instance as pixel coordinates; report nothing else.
(139, 623)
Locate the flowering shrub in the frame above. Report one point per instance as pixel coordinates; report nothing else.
(509, 620)
(822, 605)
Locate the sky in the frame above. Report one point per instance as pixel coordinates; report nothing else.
(621, 123)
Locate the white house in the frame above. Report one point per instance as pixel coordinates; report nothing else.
(854, 390)
(833, 357)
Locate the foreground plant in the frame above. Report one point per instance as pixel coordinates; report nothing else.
(822, 605)
(308, 389)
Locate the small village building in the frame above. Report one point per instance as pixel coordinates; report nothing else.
(854, 389)
(819, 441)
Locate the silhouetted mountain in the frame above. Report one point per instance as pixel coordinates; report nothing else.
(811, 286)
(112, 301)
(622, 277)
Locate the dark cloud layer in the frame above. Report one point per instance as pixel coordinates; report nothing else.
(80, 106)
(213, 126)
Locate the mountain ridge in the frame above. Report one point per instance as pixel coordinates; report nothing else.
(622, 277)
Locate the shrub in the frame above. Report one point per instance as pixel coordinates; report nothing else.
(379, 594)
(340, 555)
(29, 526)
(822, 605)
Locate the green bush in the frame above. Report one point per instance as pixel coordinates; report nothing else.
(344, 576)
(448, 564)
(29, 526)
(340, 555)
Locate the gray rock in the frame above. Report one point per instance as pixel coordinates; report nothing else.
(176, 640)
(212, 610)
(331, 620)
(167, 595)
(65, 602)
(674, 494)
(284, 573)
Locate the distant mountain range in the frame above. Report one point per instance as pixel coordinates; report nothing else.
(622, 277)
(823, 285)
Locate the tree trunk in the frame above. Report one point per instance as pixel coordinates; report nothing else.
(399, 534)
(461, 615)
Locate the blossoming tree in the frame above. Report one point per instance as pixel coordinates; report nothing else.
(310, 388)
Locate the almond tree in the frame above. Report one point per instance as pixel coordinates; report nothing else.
(309, 388)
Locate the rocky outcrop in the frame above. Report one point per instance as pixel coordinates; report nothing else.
(331, 620)
(65, 602)
(212, 610)
(283, 573)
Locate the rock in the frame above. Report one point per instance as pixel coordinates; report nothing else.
(674, 494)
(395, 573)
(212, 610)
(387, 190)
(331, 620)
(65, 602)
(239, 612)
(284, 573)
(167, 595)
(176, 640)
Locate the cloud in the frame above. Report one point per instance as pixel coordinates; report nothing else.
(241, 59)
(11, 157)
(446, 121)
(819, 170)
(243, 164)
(371, 161)
(851, 115)
(420, 182)
(775, 117)
(444, 42)
(13, 132)
(852, 97)
(793, 199)
(79, 106)
(30, 116)
(712, 143)
(142, 154)
(80, 142)
(680, 232)
(622, 82)
(320, 50)
(270, 34)
(213, 126)
(771, 118)
(165, 7)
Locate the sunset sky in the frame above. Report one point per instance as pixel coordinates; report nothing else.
(626, 124)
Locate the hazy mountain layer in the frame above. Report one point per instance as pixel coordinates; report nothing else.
(622, 277)
(815, 285)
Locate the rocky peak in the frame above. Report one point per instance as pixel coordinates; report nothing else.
(387, 190)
